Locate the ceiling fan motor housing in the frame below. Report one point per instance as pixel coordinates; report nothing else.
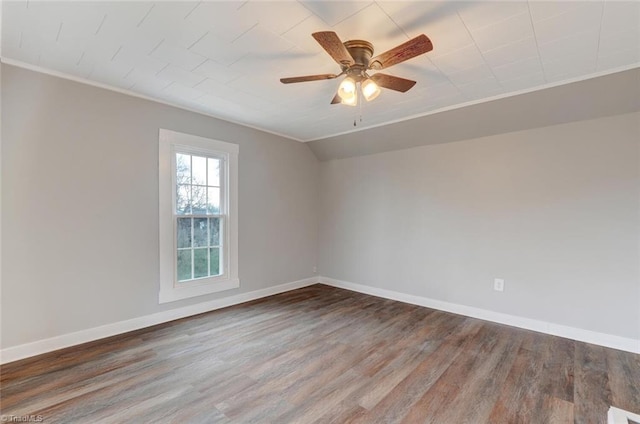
(361, 51)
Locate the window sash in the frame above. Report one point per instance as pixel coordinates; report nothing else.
(220, 156)
(222, 244)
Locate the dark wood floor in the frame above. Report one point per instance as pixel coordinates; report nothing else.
(325, 355)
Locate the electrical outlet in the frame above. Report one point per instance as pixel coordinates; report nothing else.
(315, 269)
(498, 284)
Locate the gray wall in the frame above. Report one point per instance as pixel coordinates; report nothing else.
(555, 211)
(80, 205)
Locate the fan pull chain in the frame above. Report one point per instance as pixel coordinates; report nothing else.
(360, 107)
(355, 115)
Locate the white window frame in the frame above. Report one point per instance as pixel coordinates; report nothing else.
(171, 142)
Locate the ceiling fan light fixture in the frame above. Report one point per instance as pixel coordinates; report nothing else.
(347, 89)
(370, 89)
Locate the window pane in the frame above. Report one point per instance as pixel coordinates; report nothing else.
(183, 168)
(199, 170)
(183, 199)
(214, 172)
(213, 200)
(214, 254)
(199, 196)
(200, 236)
(184, 265)
(184, 232)
(200, 263)
(214, 231)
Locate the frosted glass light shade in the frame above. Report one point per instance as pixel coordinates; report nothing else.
(370, 89)
(351, 101)
(347, 89)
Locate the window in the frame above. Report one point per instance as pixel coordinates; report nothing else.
(198, 216)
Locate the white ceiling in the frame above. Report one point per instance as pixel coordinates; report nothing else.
(225, 58)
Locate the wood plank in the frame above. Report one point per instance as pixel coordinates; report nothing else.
(441, 402)
(557, 411)
(624, 380)
(592, 393)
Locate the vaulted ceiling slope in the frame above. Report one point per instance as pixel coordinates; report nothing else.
(608, 95)
(225, 58)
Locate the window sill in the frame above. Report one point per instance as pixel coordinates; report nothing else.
(179, 293)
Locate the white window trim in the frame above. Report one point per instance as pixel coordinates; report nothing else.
(168, 142)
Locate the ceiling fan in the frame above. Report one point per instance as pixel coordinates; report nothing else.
(355, 59)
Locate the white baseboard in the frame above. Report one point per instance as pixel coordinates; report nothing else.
(26, 350)
(602, 339)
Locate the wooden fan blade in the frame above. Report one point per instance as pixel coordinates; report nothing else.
(393, 83)
(330, 41)
(336, 99)
(405, 51)
(308, 78)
